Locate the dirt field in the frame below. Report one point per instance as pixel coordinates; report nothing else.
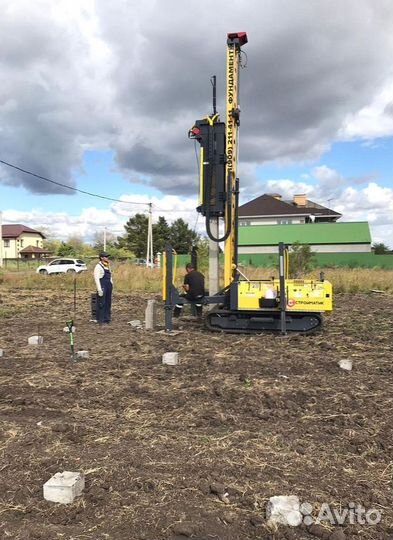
(194, 450)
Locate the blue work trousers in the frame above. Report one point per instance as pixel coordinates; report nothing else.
(105, 302)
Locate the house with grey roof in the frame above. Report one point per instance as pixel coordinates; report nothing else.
(271, 209)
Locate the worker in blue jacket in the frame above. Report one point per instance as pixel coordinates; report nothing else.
(104, 285)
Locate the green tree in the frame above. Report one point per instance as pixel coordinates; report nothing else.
(161, 234)
(66, 250)
(98, 240)
(301, 260)
(380, 248)
(181, 236)
(111, 246)
(75, 247)
(52, 245)
(135, 239)
(203, 248)
(79, 248)
(110, 242)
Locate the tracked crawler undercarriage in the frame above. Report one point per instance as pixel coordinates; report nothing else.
(251, 322)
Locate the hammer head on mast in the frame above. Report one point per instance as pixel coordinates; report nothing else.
(237, 38)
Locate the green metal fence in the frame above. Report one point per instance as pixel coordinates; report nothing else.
(350, 260)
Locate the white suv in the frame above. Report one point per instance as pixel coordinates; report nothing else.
(61, 266)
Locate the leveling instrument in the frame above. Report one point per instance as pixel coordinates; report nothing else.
(70, 329)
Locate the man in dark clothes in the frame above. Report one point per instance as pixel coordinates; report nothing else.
(104, 285)
(194, 287)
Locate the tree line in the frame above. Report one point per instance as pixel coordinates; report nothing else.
(132, 243)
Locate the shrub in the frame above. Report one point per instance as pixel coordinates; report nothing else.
(301, 260)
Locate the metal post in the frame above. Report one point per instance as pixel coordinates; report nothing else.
(214, 84)
(149, 249)
(151, 236)
(283, 299)
(71, 329)
(1, 239)
(236, 229)
(148, 239)
(168, 288)
(214, 267)
(74, 296)
(194, 257)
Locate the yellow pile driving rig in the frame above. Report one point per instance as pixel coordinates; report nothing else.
(244, 306)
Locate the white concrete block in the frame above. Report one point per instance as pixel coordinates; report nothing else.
(64, 487)
(345, 364)
(170, 358)
(82, 354)
(136, 323)
(35, 340)
(1, 353)
(284, 510)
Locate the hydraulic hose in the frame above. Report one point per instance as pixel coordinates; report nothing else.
(227, 232)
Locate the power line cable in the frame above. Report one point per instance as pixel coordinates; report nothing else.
(173, 210)
(69, 187)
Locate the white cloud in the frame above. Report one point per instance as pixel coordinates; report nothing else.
(62, 225)
(111, 75)
(373, 121)
(91, 220)
(286, 187)
(370, 202)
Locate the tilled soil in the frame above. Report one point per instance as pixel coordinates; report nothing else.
(193, 450)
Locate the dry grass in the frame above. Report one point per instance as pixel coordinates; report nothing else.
(127, 278)
(360, 279)
(344, 280)
(130, 278)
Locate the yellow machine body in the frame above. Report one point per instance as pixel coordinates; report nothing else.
(301, 295)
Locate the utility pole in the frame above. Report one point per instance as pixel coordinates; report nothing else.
(149, 250)
(104, 238)
(1, 239)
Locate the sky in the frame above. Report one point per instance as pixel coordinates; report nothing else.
(99, 96)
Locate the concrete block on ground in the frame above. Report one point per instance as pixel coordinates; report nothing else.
(35, 340)
(1, 353)
(171, 358)
(346, 364)
(284, 510)
(136, 324)
(63, 487)
(82, 354)
(150, 315)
